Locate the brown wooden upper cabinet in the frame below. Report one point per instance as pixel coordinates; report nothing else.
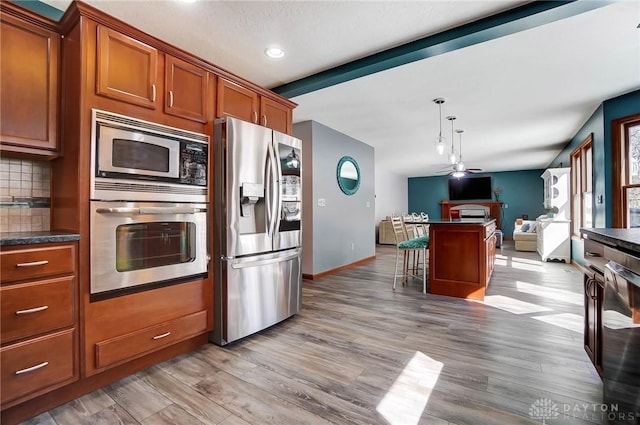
(240, 102)
(275, 115)
(186, 85)
(127, 69)
(29, 87)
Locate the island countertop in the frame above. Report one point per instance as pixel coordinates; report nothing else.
(27, 238)
(453, 222)
(627, 240)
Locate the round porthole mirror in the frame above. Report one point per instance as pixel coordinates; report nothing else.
(348, 175)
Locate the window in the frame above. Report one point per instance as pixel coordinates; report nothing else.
(626, 171)
(582, 186)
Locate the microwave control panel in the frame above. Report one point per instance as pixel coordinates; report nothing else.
(193, 164)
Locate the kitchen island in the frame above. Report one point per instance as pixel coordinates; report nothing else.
(461, 257)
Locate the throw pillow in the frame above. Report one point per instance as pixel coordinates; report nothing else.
(532, 229)
(525, 227)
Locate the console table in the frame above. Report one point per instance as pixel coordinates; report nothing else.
(461, 257)
(495, 209)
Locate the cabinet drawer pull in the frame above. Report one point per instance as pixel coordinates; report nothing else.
(164, 335)
(265, 120)
(32, 310)
(32, 368)
(591, 254)
(34, 263)
(153, 92)
(170, 98)
(255, 117)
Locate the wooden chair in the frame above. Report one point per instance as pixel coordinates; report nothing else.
(409, 246)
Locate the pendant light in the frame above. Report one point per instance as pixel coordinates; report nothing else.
(459, 172)
(440, 141)
(452, 155)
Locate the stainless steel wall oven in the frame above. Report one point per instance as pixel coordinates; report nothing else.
(149, 194)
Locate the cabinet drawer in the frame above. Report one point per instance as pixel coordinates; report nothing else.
(37, 262)
(594, 254)
(132, 345)
(36, 307)
(37, 364)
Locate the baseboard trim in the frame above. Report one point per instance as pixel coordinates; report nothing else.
(337, 269)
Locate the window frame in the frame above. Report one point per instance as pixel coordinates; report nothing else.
(580, 181)
(620, 166)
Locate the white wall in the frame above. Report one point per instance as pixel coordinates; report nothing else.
(341, 232)
(391, 194)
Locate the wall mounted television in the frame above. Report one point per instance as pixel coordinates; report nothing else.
(470, 188)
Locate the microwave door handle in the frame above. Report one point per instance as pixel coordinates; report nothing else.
(170, 210)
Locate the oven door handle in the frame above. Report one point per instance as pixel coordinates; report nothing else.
(150, 210)
(118, 210)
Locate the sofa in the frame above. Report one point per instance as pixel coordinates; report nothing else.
(385, 232)
(525, 236)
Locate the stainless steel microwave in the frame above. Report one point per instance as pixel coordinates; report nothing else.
(136, 160)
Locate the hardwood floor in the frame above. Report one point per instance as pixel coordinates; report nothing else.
(360, 353)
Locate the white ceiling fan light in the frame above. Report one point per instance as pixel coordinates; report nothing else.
(440, 140)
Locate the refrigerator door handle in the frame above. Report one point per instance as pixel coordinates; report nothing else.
(278, 181)
(243, 265)
(274, 191)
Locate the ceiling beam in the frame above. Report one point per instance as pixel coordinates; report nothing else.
(521, 18)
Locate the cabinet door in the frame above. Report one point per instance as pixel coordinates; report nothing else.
(593, 295)
(29, 87)
(236, 101)
(127, 69)
(186, 95)
(275, 115)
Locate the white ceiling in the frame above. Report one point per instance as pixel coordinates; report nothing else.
(519, 98)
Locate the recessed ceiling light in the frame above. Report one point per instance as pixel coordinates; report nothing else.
(274, 52)
(188, 1)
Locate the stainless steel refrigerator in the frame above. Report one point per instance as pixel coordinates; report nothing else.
(257, 228)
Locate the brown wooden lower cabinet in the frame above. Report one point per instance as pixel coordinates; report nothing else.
(38, 365)
(38, 328)
(125, 347)
(461, 258)
(593, 296)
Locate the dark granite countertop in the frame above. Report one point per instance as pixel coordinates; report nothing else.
(26, 238)
(627, 240)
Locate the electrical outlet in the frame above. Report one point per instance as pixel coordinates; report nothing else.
(353, 246)
(506, 205)
(368, 204)
(322, 202)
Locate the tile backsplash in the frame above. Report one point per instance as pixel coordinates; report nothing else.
(25, 195)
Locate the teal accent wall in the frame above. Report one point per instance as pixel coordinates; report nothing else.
(599, 123)
(522, 192)
(41, 8)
